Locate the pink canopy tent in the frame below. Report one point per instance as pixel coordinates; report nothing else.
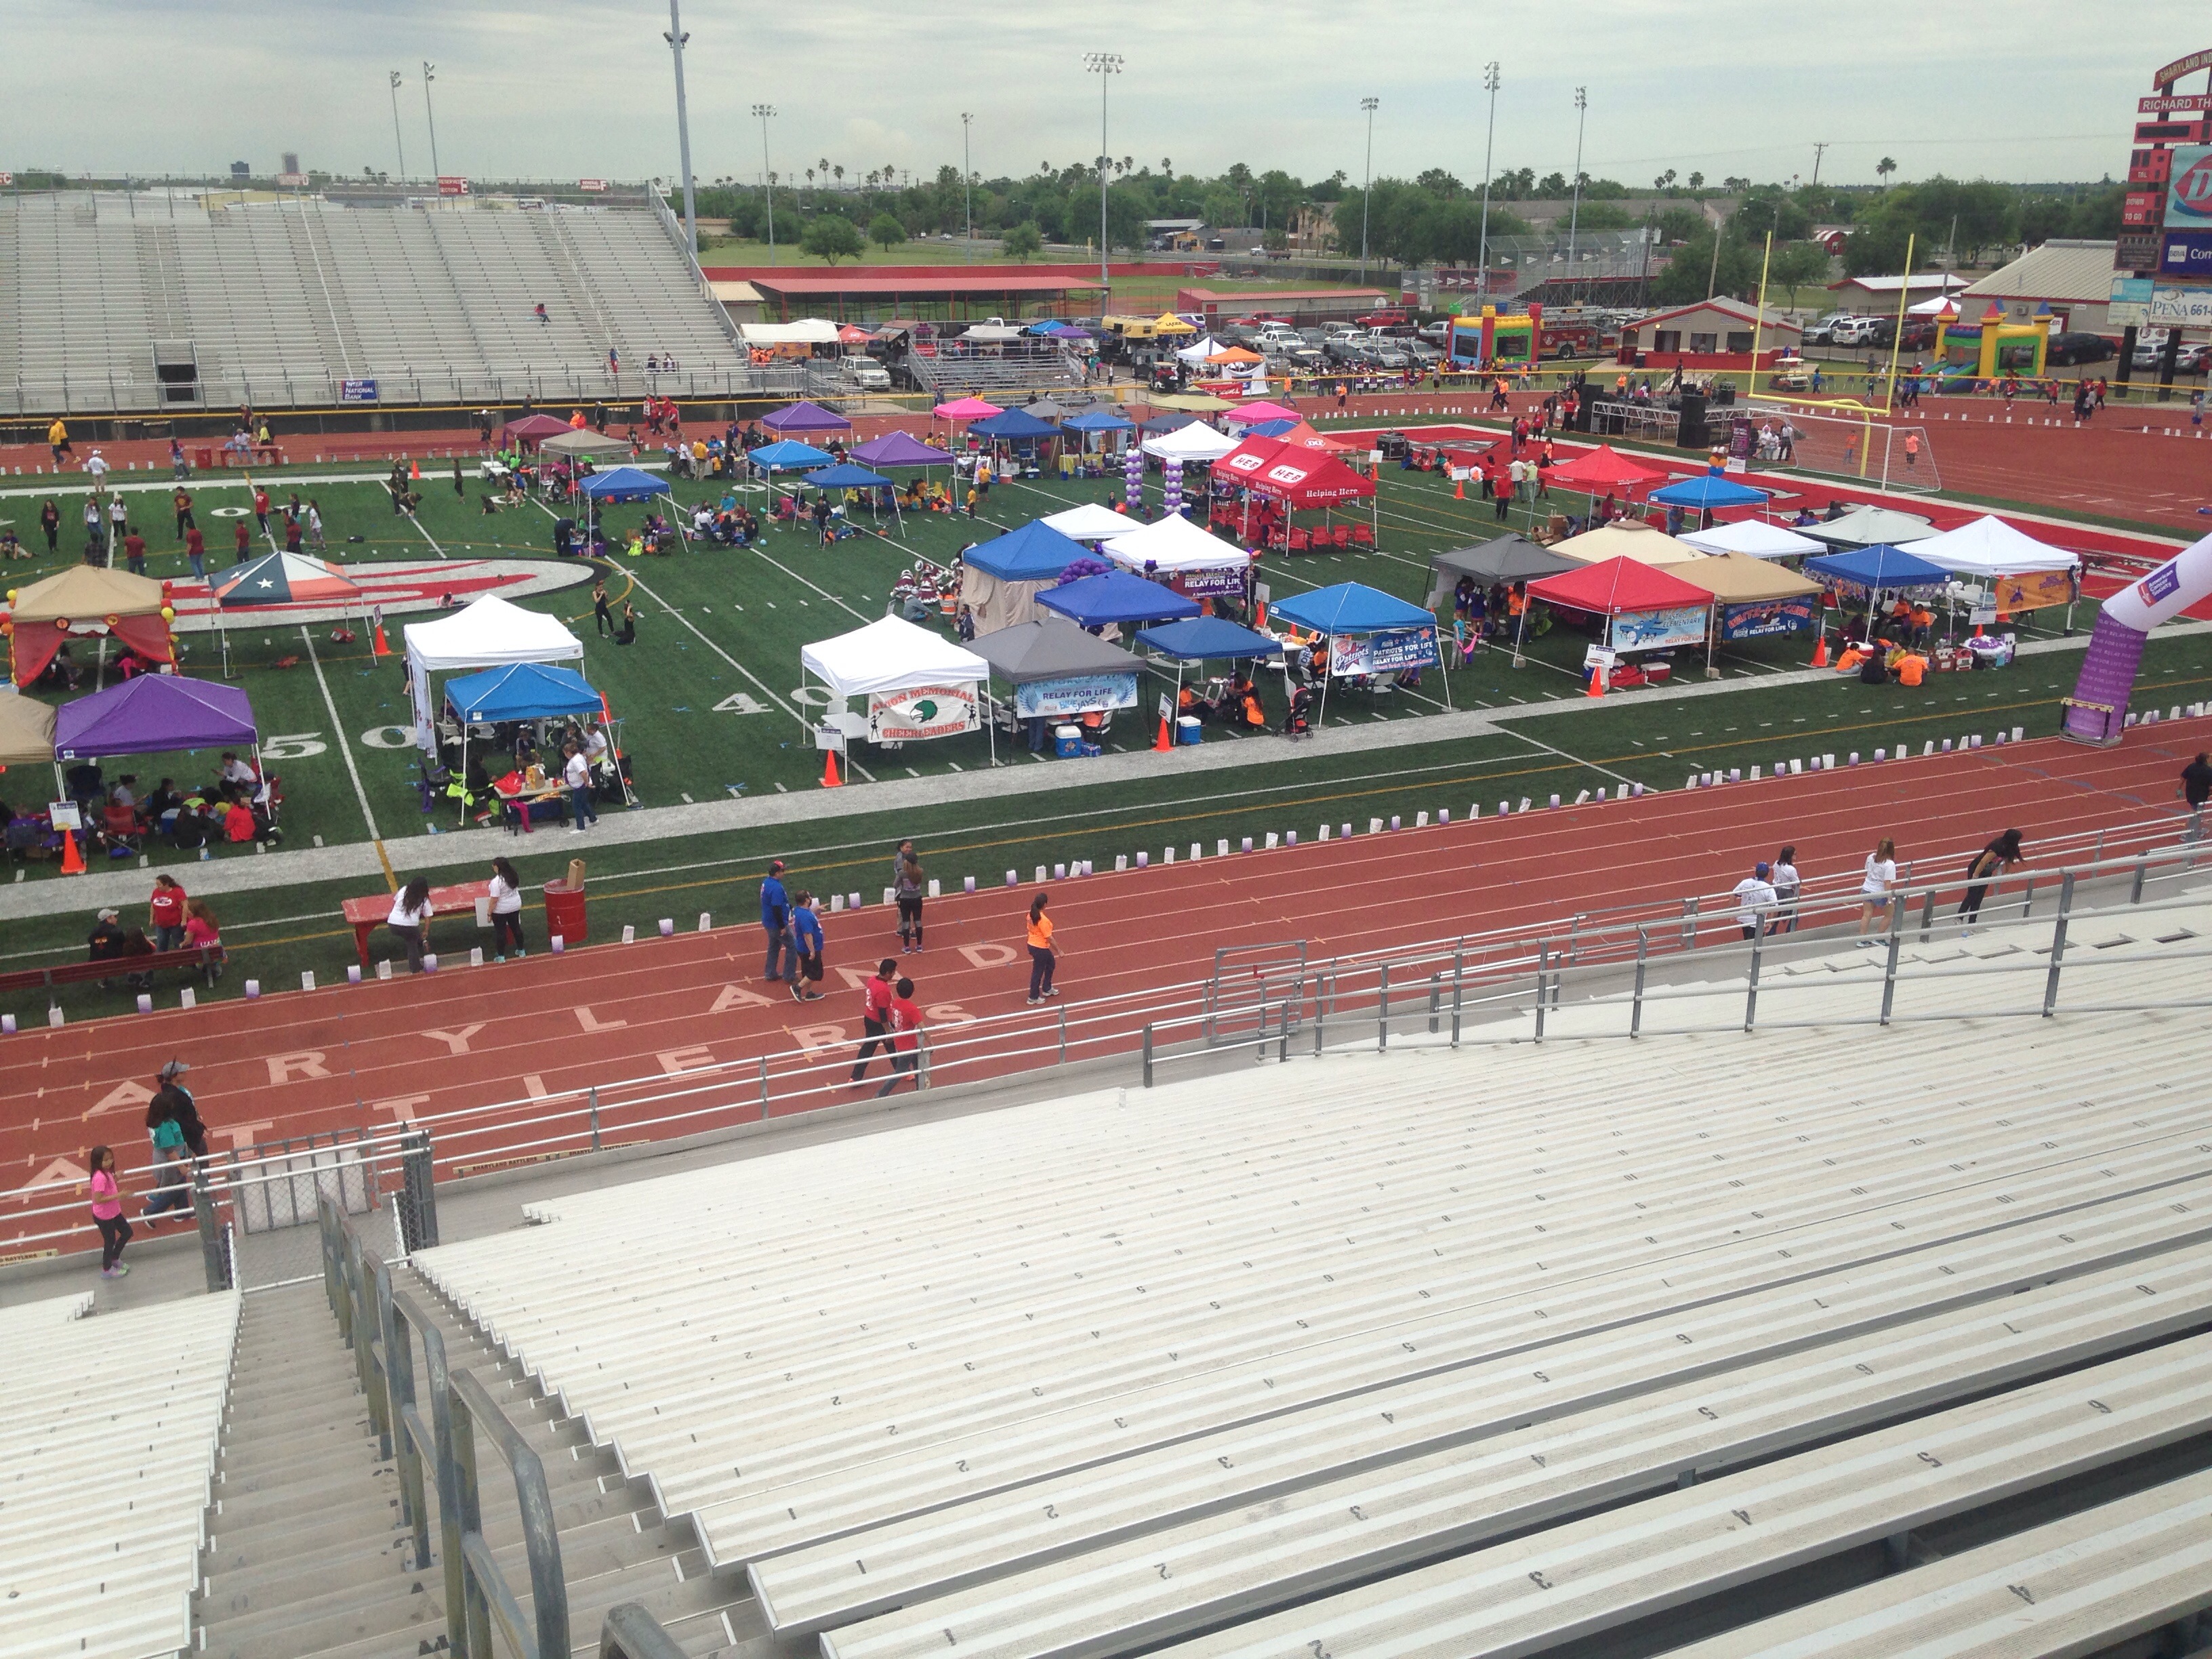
(1263, 409)
(966, 409)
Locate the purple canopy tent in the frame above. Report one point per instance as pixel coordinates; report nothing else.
(898, 449)
(152, 714)
(803, 416)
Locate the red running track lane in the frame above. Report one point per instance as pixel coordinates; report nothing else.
(348, 1057)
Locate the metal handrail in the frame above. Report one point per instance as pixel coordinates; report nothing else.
(630, 1632)
(484, 1587)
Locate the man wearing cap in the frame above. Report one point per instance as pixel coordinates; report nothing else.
(105, 943)
(1755, 900)
(775, 920)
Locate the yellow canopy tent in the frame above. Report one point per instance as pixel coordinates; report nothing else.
(26, 731)
(1628, 539)
(1168, 323)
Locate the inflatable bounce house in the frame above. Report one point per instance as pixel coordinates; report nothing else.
(1991, 349)
(1491, 340)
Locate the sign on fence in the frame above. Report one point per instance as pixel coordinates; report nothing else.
(357, 391)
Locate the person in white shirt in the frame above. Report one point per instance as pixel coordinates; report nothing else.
(314, 527)
(1876, 892)
(577, 775)
(595, 746)
(97, 466)
(118, 521)
(506, 910)
(1754, 900)
(410, 914)
(236, 770)
(1787, 881)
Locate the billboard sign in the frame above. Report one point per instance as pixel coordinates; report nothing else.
(591, 183)
(2180, 307)
(357, 391)
(2165, 78)
(2178, 104)
(2189, 188)
(449, 184)
(2130, 302)
(2186, 253)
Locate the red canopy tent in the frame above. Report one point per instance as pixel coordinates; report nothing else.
(1298, 478)
(532, 428)
(1623, 588)
(1605, 468)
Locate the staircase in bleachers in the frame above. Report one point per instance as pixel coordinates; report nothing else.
(1420, 1353)
(283, 298)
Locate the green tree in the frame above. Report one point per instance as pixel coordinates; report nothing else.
(1605, 215)
(1883, 168)
(886, 232)
(1022, 242)
(1795, 265)
(829, 238)
(1689, 266)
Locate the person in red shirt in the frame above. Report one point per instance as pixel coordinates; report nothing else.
(195, 551)
(906, 1034)
(244, 540)
(260, 509)
(876, 1017)
(166, 914)
(134, 553)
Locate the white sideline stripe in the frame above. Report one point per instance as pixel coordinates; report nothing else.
(344, 741)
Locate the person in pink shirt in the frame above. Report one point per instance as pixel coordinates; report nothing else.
(107, 1213)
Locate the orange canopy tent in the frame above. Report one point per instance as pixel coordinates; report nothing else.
(86, 601)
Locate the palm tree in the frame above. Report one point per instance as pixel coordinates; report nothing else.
(840, 171)
(810, 177)
(1883, 168)
(1697, 181)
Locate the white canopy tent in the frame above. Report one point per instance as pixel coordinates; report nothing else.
(808, 330)
(1174, 545)
(1991, 547)
(486, 632)
(1197, 350)
(1090, 523)
(888, 656)
(1755, 538)
(1192, 444)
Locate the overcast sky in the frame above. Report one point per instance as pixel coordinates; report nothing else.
(2020, 90)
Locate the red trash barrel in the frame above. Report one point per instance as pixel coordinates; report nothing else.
(206, 460)
(564, 913)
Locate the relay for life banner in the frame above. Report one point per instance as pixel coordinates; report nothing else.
(1074, 693)
(1392, 651)
(927, 711)
(1757, 618)
(1656, 630)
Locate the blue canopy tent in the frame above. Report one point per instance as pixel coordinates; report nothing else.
(789, 456)
(1100, 420)
(1115, 597)
(1014, 425)
(1000, 579)
(1708, 491)
(623, 483)
(1195, 639)
(1868, 573)
(1400, 635)
(846, 476)
(520, 691)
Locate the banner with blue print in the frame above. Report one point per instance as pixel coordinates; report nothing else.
(1657, 630)
(1074, 693)
(1757, 618)
(1389, 651)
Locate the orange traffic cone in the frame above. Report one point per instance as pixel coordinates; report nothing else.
(1820, 652)
(1459, 490)
(829, 778)
(379, 649)
(1260, 615)
(72, 859)
(1596, 683)
(1165, 741)
(413, 469)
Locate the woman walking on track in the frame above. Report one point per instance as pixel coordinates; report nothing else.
(506, 910)
(875, 1016)
(909, 891)
(1787, 881)
(107, 1213)
(1044, 954)
(1876, 892)
(411, 914)
(1984, 867)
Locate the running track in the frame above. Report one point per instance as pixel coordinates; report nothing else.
(347, 1057)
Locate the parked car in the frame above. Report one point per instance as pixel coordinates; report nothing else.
(1383, 317)
(1822, 331)
(1854, 330)
(1438, 331)
(2068, 348)
(2150, 346)
(1343, 349)
(1386, 355)
(866, 373)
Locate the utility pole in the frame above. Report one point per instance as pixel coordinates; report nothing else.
(677, 39)
(967, 184)
(430, 74)
(1490, 78)
(764, 113)
(1818, 151)
(396, 137)
(1367, 181)
(1575, 213)
(1105, 65)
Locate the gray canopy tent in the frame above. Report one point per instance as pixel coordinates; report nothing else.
(1508, 559)
(1058, 669)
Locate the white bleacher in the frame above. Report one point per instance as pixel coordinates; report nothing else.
(282, 299)
(989, 1374)
(108, 1433)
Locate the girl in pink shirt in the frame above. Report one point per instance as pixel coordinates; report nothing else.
(107, 1213)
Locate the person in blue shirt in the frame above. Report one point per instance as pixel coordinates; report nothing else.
(775, 922)
(807, 941)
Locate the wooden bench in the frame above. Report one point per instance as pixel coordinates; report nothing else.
(365, 915)
(79, 973)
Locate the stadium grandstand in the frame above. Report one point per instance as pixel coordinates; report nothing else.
(151, 301)
(1429, 1324)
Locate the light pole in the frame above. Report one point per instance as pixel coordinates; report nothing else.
(677, 38)
(1105, 65)
(764, 112)
(396, 138)
(1482, 257)
(1575, 214)
(1367, 180)
(430, 74)
(967, 185)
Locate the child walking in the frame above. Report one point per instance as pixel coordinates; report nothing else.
(107, 1213)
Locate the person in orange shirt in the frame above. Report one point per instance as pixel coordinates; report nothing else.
(1044, 954)
(1912, 668)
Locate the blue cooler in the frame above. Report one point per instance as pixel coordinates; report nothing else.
(1068, 742)
(1188, 730)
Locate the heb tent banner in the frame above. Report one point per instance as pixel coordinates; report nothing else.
(2034, 591)
(924, 711)
(1390, 651)
(1656, 630)
(1074, 693)
(1757, 618)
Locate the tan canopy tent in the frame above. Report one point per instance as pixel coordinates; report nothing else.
(81, 602)
(1628, 538)
(26, 731)
(1738, 580)
(586, 443)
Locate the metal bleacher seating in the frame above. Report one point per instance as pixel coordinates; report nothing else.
(1413, 1353)
(282, 298)
(106, 1454)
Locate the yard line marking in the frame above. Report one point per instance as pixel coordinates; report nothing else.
(428, 537)
(1572, 760)
(716, 648)
(345, 747)
(823, 591)
(780, 790)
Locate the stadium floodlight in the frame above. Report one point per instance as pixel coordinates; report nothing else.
(765, 113)
(676, 38)
(967, 184)
(1105, 65)
(1367, 180)
(430, 74)
(1575, 213)
(1490, 78)
(396, 138)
